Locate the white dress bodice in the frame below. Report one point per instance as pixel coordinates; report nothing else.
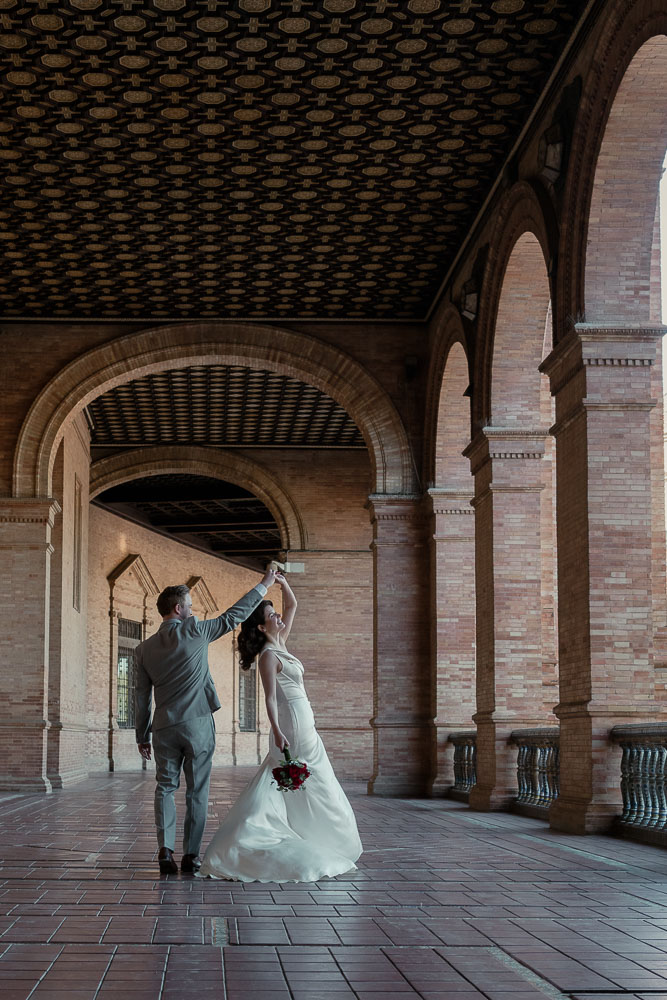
(289, 679)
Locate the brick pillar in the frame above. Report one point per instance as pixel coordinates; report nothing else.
(25, 544)
(452, 625)
(402, 720)
(508, 484)
(602, 380)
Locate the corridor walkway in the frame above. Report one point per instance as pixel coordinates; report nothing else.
(447, 904)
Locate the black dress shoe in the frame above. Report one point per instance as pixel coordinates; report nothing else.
(166, 861)
(190, 863)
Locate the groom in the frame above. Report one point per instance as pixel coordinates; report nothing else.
(173, 665)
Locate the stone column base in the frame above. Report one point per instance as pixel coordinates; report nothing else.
(400, 786)
(487, 799)
(20, 783)
(571, 815)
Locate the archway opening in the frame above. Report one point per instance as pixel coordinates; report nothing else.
(622, 259)
(209, 471)
(624, 287)
(453, 571)
(521, 404)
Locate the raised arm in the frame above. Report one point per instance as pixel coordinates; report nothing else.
(289, 606)
(214, 628)
(268, 669)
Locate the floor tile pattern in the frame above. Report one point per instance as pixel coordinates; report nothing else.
(446, 904)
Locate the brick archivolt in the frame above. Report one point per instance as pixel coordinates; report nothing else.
(286, 352)
(224, 465)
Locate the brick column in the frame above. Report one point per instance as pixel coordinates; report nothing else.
(602, 380)
(25, 545)
(452, 624)
(508, 483)
(402, 720)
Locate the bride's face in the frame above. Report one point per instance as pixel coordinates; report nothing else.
(273, 623)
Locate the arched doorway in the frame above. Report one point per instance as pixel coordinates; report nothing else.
(58, 416)
(511, 459)
(452, 564)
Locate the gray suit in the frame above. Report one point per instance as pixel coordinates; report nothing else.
(173, 666)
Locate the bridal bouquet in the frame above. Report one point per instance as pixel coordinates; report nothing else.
(290, 774)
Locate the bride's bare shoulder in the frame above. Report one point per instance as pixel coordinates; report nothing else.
(268, 657)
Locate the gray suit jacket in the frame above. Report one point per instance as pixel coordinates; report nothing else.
(173, 665)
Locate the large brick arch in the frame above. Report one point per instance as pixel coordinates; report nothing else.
(447, 411)
(614, 170)
(178, 346)
(212, 462)
(513, 306)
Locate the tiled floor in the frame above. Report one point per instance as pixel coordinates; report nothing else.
(447, 904)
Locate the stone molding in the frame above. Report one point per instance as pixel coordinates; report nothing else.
(602, 710)
(25, 722)
(591, 346)
(453, 510)
(505, 443)
(394, 507)
(136, 564)
(441, 501)
(32, 510)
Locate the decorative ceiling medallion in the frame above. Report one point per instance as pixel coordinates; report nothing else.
(244, 116)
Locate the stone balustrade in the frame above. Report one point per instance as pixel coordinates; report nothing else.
(643, 777)
(465, 773)
(537, 768)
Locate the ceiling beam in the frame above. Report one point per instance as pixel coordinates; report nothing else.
(215, 525)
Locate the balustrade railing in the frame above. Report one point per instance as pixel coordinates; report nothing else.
(465, 774)
(643, 777)
(537, 766)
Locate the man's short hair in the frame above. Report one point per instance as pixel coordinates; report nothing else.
(170, 597)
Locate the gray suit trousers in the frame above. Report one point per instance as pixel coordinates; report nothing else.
(188, 747)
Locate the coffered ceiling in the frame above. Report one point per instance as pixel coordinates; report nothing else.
(222, 406)
(180, 159)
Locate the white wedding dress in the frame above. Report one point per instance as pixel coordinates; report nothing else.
(294, 836)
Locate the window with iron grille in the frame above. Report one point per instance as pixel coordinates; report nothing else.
(248, 700)
(129, 636)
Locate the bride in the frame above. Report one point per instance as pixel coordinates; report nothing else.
(274, 836)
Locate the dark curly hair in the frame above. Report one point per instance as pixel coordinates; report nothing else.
(251, 640)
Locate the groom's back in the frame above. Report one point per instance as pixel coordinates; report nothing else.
(175, 662)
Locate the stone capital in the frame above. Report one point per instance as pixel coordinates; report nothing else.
(29, 510)
(394, 506)
(607, 347)
(493, 443)
(450, 501)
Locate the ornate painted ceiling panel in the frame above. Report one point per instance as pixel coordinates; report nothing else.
(180, 159)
